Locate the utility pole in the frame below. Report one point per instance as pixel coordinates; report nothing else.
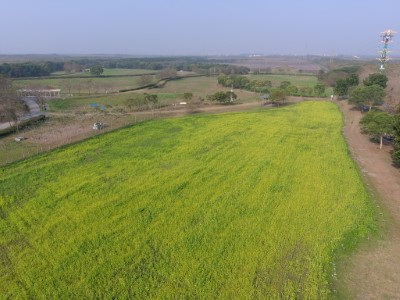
(387, 37)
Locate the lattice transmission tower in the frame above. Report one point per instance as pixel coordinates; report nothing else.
(387, 37)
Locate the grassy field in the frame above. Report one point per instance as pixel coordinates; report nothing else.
(232, 206)
(171, 93)
(86, 86)
(82, 103)
(89, 85)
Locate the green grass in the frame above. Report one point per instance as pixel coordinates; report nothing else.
(78, 103)
(84, 85)
(233, 206)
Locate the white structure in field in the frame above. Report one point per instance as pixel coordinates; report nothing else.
(44, 93)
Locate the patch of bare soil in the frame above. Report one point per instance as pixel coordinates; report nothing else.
(373, 272)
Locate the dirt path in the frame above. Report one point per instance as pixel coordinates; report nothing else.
(374, 271)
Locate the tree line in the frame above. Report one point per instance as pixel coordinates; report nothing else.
(30, 69)
(265, 86)
(381, 125)
(191, 64)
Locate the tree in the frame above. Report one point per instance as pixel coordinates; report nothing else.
(278, 95)
(353, 80)
(377, 124)
(341, 87)
(67, 84)
(151, 100)
(223, 97)
(284, 84)
(145, 80)
(187, 96)
(396, 142)
(11, 107)
(367, 95)
(292, 90)
(136, 101)
(319, 89)
(376, 78)
(96, 70)
(305, 91)
(89, 85)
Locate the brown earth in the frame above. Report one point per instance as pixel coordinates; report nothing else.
(373, 272)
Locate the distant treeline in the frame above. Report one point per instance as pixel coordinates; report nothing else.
(29, 69)
(193, 64)
(199, 65)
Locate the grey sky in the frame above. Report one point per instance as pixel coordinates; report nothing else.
(188, 27)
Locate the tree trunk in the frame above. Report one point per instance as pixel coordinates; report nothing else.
(381, 143)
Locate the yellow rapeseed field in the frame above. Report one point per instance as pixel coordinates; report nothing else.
(247, 205)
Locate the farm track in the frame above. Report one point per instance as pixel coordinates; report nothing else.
(373, 272)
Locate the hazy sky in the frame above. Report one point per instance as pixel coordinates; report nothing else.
(189, 27)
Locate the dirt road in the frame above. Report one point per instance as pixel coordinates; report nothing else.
(373, 272)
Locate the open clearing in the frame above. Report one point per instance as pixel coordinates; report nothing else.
(239, 205)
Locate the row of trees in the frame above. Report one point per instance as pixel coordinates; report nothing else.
(193, 64)
(265, 86)
(30, 69)
(142, 101)
(380, 125)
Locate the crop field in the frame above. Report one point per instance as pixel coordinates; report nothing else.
(243, 205)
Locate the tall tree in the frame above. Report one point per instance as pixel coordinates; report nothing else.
(319, 89)
(341, 87)
(11, 107)
(367, 95)
(223, 97)
(378, 124)
(96, 70)
(396, 142)
(145, 79)
(376, 78)
(278, 95)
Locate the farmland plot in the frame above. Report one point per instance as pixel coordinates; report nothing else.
(240, 205)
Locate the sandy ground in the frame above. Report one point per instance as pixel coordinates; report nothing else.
(373, 272)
